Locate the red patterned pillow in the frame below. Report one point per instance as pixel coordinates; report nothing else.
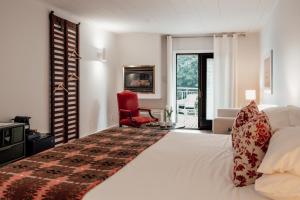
(249, 147)
(244, 116)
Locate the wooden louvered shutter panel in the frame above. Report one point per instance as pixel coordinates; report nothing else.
(72, 85)
(64, 41)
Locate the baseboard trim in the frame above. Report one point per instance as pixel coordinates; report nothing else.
(112, 126)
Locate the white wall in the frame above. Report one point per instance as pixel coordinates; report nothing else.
(198, 43)
(248, 65)
(24, 67)
(145, 49)
(98, 104)
(281, 34)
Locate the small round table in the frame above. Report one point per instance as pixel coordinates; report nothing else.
(174, 126)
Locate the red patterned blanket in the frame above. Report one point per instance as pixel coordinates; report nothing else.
(71, 170)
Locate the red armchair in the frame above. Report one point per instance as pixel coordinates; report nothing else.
(129, 111)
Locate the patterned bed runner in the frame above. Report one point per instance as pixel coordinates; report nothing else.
(71, 170)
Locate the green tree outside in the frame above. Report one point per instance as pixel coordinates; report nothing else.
(187, 71)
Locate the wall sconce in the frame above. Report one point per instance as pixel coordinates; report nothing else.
(101, 55)
(250, 95)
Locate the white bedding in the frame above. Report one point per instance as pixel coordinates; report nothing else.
(181, 166)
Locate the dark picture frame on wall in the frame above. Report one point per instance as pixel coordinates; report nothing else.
(268, 73)
(140, 78)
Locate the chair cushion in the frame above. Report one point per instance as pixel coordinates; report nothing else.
(137, 121)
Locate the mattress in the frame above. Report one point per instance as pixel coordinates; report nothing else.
(180, 166)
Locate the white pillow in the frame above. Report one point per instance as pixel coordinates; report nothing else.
(278, 116)
(279, 186)
(283, 154)
(294, 114)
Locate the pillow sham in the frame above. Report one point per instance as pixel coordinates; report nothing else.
(294, 115)
(283, 154)
(250, 144)
(279, 186)
(243, 117)
(279, 117)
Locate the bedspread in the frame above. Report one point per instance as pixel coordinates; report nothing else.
(69, 171)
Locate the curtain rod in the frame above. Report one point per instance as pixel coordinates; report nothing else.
(209, 35)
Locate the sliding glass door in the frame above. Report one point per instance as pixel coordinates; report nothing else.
(194, 90)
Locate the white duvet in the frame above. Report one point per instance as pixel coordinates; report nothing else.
(181, 166)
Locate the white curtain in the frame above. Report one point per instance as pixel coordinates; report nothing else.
(171, 86)
(169, 68)
(225, 78)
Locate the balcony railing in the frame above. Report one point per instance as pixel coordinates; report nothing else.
(187, 107)
(183, 92)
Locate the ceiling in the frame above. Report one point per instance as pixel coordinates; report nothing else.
(171, 16)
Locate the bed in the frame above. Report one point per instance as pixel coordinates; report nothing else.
(165, 166)
(179, 166)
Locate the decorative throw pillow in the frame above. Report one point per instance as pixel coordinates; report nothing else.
(279, 186)
(250, 145)
(245, 114)
(294, 115)
(279, 117)
(283, 155)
